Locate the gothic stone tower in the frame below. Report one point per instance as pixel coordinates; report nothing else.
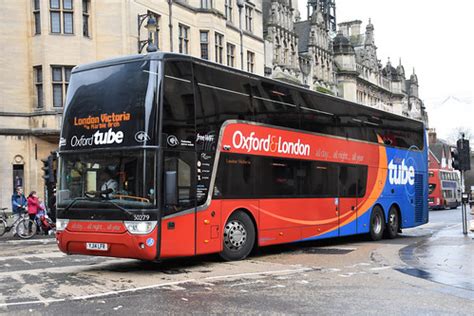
(328, 10)
(281, 42)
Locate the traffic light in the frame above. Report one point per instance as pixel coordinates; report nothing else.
(455, 159)
(464, 154)
(48, 169)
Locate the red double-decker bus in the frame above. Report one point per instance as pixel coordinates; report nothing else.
(166, 155)
(444, 189)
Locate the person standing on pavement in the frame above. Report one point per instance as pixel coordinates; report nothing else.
(19, 203)
(33, 207)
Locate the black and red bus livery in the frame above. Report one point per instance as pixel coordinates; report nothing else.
(165, 155)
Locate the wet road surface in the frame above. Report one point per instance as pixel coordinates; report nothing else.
(347, 275)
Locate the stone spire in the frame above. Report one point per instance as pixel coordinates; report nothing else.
(400, 69)
(369, 34)
(414, 84)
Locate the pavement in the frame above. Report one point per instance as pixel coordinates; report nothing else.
(447, 256)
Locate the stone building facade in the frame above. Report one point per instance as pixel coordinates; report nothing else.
(363, 79)
(343, 63)
(315, 46)
(281, 41)
(298, 51)
(41, 40)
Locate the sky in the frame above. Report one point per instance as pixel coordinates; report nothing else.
(435, 38)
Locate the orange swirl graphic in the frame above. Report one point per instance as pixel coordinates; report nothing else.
(361, 209)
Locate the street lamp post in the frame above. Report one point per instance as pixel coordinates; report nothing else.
(240, 4)
(152, 27)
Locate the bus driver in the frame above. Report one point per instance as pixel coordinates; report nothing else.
(108, 182)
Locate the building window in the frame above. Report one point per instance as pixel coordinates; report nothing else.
(250, 61)
(219, 41)
(249, 18)
(204, 35)
(206, 4)
(61, 10)
(37, 17)
(228, 10)
(38, 80)
(183, 39)
(157, 33)
(60, 75)
(230, 55)
(18, 175)
(86, 4)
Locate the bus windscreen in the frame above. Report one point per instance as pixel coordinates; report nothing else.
(107, 180)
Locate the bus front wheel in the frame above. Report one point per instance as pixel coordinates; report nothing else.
(239, 237)
(377, 223)
(393, 223)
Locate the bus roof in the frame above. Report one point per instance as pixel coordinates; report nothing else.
(168, 55)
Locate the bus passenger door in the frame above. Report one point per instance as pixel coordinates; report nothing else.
(348, 192)
(178, 204)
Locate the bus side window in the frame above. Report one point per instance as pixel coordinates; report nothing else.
(347, 181)
(320, 179)
(352, 181)
(234, 177)
(220, 96)
(283, 178)
(276, 177)
(182, 163)
(178, 105)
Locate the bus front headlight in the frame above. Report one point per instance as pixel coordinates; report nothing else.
(141, 227)
(61, 224)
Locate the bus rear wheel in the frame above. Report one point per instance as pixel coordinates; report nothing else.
(377, 223)
(393, 223)
(239, 237)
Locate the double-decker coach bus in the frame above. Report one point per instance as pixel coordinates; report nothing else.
(166, 155)
(444, 189)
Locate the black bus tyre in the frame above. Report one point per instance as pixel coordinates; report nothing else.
(393, 223)
(377, 223)
(239, 237)
(23, 229)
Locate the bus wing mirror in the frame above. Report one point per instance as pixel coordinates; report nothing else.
(171, 188)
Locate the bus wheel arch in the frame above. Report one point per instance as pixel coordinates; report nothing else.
(377, 222)
(394, 220)
(239, 235)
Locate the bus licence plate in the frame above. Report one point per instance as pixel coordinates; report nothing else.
(96, 246)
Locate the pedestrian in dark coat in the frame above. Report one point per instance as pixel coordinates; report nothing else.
(19, 203)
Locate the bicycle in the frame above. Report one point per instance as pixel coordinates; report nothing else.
(23, 226)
